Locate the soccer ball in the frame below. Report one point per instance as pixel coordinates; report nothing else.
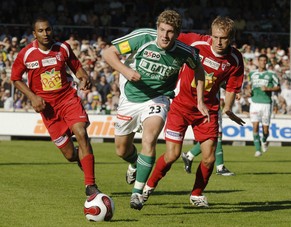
(99, 207)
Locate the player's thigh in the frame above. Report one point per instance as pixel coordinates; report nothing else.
(255, 112)
(266, 114)
(176, 126)
(158, 106)
(152, 128)
(206, 130)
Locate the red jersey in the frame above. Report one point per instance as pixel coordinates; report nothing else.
(46, 70)
(218, 69)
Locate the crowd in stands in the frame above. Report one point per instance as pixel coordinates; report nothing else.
(89, 26)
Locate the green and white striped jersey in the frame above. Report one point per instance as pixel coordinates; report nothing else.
(260, 79)
(159, 68)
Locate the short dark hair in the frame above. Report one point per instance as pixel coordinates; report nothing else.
(39, 18)
(263, 56)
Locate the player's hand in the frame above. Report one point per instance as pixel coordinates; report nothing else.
(264, 88)
(204, 111)
(133, 76)
(38, 103)
(85, 84)
(234, 118)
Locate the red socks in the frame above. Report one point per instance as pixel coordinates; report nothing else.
(202, 176)
(88, 168)
(159, 172)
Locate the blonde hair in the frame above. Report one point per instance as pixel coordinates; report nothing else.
(224, 24)
(172, 18)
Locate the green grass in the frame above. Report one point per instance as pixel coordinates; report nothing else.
(38, 187)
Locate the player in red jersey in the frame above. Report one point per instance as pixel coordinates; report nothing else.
(45, 62)
(222, 64)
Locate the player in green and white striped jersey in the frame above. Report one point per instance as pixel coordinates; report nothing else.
(263, 83)
(148, 80)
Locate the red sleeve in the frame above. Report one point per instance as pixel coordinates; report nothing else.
(72, 61)
(235, 80)
(18, 67)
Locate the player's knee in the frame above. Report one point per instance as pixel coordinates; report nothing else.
(121, 152)
(80, 132)
(209, 161)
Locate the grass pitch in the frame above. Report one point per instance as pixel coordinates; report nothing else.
(38, 187)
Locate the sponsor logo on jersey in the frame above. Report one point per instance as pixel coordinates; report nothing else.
(173, 135)
(211, 64)
(51, 80)
(49, 61)
(124, 47)
(209, 81)
(151, 55)
(154, 69)
(32, 65)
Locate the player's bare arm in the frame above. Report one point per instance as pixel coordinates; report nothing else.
(200, 82)
(37, 102)
(229, 100)
(85, 80)
(275, 89)
(111, 56)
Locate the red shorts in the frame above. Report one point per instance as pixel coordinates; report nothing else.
(178, 122)
(59, 119)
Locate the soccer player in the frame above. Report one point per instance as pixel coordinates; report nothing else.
(188, 157)
(263, 83)
(222, 64)
(149, 78)
(45, 62)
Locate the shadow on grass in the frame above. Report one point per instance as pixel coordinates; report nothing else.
(267, 173)
(221, 208)
(53, 163)
(173, 193)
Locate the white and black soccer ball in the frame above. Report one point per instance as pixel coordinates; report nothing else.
(99, 207)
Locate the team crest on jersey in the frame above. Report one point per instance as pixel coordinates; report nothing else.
(59, 56)
(152, 55)
(49, 61)
(225, 66)
(266, 77)
(32, 65)
(211, 64)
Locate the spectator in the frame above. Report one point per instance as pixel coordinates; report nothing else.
(7, 100)
(103, 88)
(80, 18)
(5, 80)
(286, 95)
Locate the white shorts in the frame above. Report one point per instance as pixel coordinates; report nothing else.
(260, 112)
(130, 115)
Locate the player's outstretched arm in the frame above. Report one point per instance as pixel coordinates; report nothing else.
(111, 56)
